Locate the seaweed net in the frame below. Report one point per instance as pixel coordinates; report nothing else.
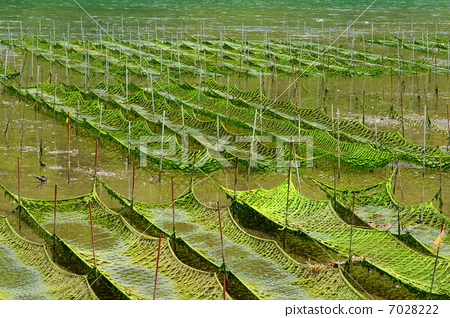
(377, 206)
(123, 255)
(378, 248)
(28, 273)
(260, 263)
(393, 141)
(7, 74)
(134, 135)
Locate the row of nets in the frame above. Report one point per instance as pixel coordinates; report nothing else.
(261, 264)
(378, 248)
(122, 254)
(378, 207)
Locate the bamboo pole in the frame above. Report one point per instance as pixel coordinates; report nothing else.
(448, 126)
(173, 206)
(133, 182)
(228, 98)
(376, 131)
(424, 147)
(338, 147)
(403, 118)
(92, 232)
(440, 176)
(157, 265)
(224, 284)
(68, 147)
(162, 146)
(297, 166)
(289, 183)
(129, 140)
(54, 223)
(364, 107)
(217, 128)
(18, 190)
(221, 232)
(236, 169)
(193, 169)
(437, 256)
(252, 145)
(223, 252)
(95, 161)
(126, 83)
(351, 229)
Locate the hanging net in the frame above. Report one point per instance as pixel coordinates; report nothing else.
(125, 256)
(261, 264)
(378, 248)
(28, 273)
(377, 206)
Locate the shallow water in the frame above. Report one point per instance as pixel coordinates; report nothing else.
(238, 18)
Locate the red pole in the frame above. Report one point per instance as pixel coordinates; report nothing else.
(224, 287)
(92, 232)
(157, 265)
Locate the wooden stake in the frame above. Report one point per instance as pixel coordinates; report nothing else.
(92, 232)
(18, 190)
(95, 161)
(236, 169)
(398, 219)
(162, 146)
(193, 168)
(54, 223)
(289, 183)
(228, 97)
(224, 284)
(440, 175)
(157, 265)
(437, 258)
(68, 148)
(173, 207)
(351, 229)
(54, 209)
(364, 107)
(339, 147)
(221, 233)
(133, 181)
(448, 126)
(424, 147)
(403, 118)
(376, 131)
(251, 146)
